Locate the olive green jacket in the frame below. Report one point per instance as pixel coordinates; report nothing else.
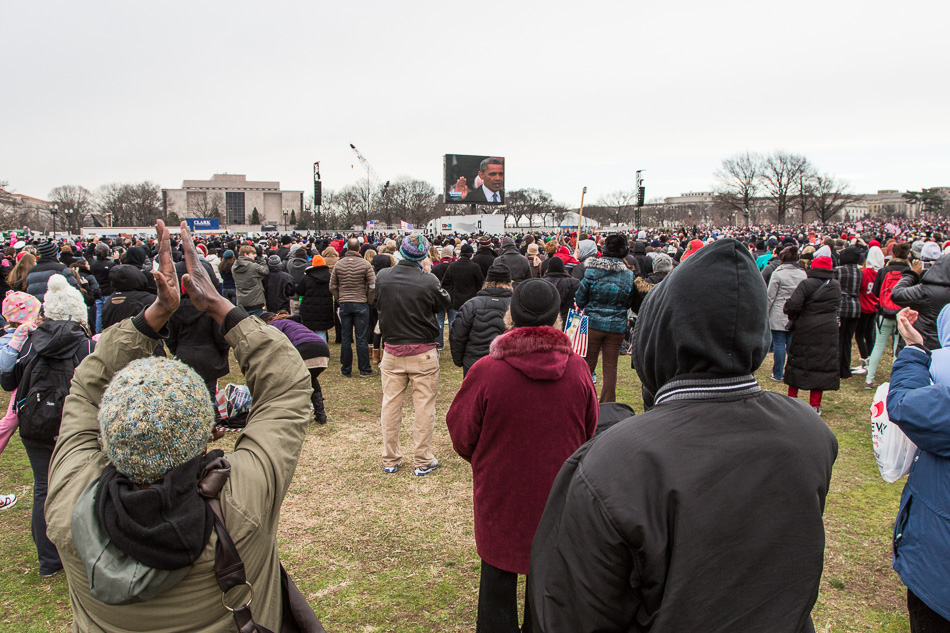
(262, 466)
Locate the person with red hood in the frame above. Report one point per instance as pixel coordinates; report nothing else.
(515, 458)
(813, 359)
(694, 245)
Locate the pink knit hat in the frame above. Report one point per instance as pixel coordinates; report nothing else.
(20, 307)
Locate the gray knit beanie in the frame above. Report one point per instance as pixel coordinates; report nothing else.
(154, 415)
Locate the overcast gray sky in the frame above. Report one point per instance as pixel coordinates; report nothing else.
(571, 93)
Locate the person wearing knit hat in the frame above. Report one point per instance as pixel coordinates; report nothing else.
(154, 415)
(481, 319)
(316, 300)
(414, 247)
(812, 311)
(63, 302)
(530, 362)
(408, 300)
(123, 494)
(41, 374)
(484, 253)
(46, 266)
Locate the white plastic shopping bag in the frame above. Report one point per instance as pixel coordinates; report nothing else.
(893, 450)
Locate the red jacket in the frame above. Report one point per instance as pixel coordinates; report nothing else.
(869, 301)
(516, 447)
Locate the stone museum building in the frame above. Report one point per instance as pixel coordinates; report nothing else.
(232, 198)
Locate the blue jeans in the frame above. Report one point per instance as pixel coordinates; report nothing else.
(99, 303)
(354, 317)
(440, 317)
(781, 341)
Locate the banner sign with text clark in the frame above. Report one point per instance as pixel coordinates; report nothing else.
(203, 224)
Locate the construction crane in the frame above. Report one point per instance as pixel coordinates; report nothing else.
(372, 178)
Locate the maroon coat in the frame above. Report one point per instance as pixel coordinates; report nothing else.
(520, 413)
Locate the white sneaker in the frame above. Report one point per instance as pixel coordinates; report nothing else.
(7, 501)
(859, 371)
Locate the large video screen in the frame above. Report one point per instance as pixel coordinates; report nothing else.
(474, 179)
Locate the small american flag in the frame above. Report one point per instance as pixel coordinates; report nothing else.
(579, 342)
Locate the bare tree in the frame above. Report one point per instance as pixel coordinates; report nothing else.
(780, 177)
(805, 191)
(738, 183)
(75, 204)
(209, 205)
(618, 205)
(412, 200)
(830, 196)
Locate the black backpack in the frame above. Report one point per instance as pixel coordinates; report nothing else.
(40, 397)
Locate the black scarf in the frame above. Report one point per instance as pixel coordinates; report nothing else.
(165, 526)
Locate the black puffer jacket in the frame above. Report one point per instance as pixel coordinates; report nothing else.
(316, 305)
(462, 281)
(927, 294)
(567, 286)
(197, 341)
(480, 321)
(658, 510)
(38, 278)
(813, 361)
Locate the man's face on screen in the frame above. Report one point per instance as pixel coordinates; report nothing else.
(493, 177)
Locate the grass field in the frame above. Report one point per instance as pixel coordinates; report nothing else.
(377, 552)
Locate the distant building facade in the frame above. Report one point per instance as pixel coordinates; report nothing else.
(232, 198)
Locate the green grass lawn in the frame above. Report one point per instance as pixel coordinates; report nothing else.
(376, 552)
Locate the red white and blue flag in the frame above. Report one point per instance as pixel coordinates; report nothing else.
(579, 344)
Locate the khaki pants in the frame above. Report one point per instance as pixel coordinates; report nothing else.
(397, 372)
(294, 306)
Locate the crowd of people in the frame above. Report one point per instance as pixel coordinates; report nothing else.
(113, 349)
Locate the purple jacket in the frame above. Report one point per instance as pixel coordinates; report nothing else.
(298, 333)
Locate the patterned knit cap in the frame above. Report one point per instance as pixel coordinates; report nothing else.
(20, 307)
(414, 247)
(154, 415)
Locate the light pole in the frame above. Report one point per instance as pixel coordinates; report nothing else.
(69, 218)
(286, 213)
(53, 212)
(317, 192)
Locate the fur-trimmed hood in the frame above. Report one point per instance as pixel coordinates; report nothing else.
(608, 264)
(540, 353)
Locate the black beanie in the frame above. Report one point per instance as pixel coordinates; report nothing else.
(616, 246)
(499, 272)
(466, 250)
(556, 265)
(535, 302)
(48, 250)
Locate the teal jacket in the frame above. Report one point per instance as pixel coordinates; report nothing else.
(604, 294)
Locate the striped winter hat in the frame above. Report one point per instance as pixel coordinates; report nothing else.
(154, 415)
(414, 247)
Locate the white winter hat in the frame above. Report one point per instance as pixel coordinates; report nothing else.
(63, 302)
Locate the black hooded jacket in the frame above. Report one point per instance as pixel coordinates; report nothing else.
(196, 340)
(705, 512)
(129, 295)
(52, 339)
(927, 294)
